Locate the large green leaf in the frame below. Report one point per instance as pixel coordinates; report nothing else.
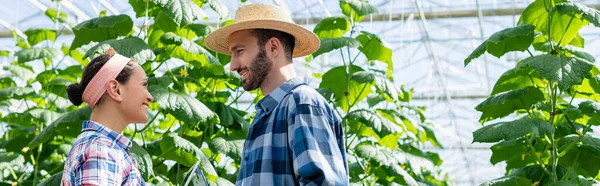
(569, 50)
(30, 54)
(586, 153)
(332, 27)
(381, 155)
(357, 9)
(375, 121)
(515, 153)
(182, 106)
(511, 39)
(508, 181)
(374, 48)
(4, 53)
(505, 103)
(15, 92)
(37, 35)
(398, 171)
(191, 52)
(537, 14)
(590, 14)
(576, 182)
(590, 108)
(331, 44)
(334, 80)
(382, 83)
(69, 124)
(143, 160)
(44, 116)
(567, 71)
(184, 152)
(232, 147)
(217, 6)
(21, 71)
(52, 180)
(132, 47)
(517, 78)
(101, 29)
(512, 130)
(183, 12)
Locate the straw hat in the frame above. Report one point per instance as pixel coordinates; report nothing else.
(264, 16)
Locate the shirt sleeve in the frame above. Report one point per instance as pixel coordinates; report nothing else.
(317, 156)
(100, 166)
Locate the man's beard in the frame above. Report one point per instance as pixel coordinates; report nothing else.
(257, 71)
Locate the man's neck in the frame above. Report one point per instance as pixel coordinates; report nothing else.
(109, 117)
(276, 77)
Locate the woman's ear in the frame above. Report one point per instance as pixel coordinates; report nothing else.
(113, 89)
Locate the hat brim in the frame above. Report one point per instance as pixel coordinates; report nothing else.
(306, 41)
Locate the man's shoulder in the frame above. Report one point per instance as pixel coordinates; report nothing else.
(305, 94)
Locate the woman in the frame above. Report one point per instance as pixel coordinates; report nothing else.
(116, 89)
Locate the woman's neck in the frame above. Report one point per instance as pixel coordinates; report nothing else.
(109, 117)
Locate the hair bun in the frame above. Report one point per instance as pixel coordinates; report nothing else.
(75, 92)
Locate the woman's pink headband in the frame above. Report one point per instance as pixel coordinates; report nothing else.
(97, 86)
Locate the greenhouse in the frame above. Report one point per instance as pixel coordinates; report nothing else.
(400, 92)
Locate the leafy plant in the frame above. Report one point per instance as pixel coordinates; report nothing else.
(553, 94)
(197, 115)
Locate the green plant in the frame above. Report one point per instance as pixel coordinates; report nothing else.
(384, 132)
(197, 115)
(554, 94)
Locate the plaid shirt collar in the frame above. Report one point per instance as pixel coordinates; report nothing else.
(269, 102)
(117, 138)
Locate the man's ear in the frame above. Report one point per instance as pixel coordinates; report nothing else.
(113, 89)
(274, 47)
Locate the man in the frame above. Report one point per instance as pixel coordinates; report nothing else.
(295, 137)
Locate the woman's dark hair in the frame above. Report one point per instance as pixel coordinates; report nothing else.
(75, 90)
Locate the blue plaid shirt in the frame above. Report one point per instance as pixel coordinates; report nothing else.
(295, 139)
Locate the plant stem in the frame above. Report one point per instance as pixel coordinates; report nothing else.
(359, 94)
(566, 149)
(532, 152)
(356, 135)
(37, 165)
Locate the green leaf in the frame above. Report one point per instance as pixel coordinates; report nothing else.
(56, 16)
(397, 170)
(517, 38)
(578, 41)
(76, 54)
(514, 153)
(184, 152)
(537, 14)
(101, 29)
(201, 30)
(374, 48)
(4, 53)
(567, 71)
(517, 78)
(357, 9)
(20, 41)
(15, 92)
(44, 116)
(381, 155)
(6, 82)
(232, 147)
(52, 180)
(590, 14)
(10, 159)
(512, 130)
(132, 47)
(331, 44)
(568, 49)
(37, 35)
(331, 81)
(375, 121)
(332, 27)
(382, 83)
(577, 182)
(508, 181)
(20, 70)
(183, 12)
(585, 153)
(143, 160)
(191, 52)
(30, 54)
(182, 106)
(505, 103)
(590, 108)
(373, 99)
(69, 124)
